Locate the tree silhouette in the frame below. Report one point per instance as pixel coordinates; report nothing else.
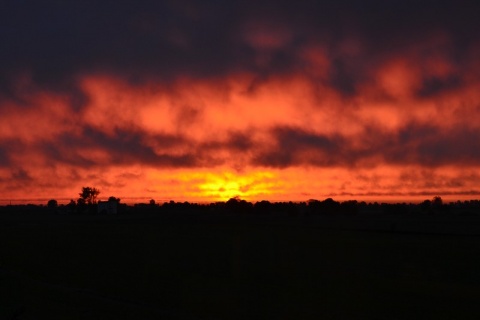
(52, 204)
(81, 205)
(71, 205)
(236, 205)
(113, 199)
(89, 195)
(437, 201)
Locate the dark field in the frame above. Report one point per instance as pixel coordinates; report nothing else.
(192, 266)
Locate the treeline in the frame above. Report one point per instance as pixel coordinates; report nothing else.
(317, 207)
(238, 206)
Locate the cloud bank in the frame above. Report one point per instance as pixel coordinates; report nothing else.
(208, 100)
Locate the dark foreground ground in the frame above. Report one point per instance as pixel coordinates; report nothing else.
(238, 267)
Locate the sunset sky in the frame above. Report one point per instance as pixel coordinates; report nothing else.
(207, 100)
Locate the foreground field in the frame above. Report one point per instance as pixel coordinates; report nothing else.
(238, 267)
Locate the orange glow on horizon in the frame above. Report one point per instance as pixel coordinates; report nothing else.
(214, 139)
(383, 184)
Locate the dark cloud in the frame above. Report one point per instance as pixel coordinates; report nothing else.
(21, 175)
(341, 77)
(135, 146)
(413, 144)
(432, 146)
(120, 147)
(435, 85)
(57, 41)
(4, 158)
(19, 179)
(419, 144)
(235, 142)
(8, 148)
(295, 146)
(57, 152)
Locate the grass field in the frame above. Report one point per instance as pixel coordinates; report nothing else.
(212, 267)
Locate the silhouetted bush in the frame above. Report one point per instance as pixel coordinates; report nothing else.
(235, 205)
(52, 204)
(327, 206)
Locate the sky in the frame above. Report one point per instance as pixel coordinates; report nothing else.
(266, 100)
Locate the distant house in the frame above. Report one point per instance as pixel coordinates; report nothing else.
(107, 207)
